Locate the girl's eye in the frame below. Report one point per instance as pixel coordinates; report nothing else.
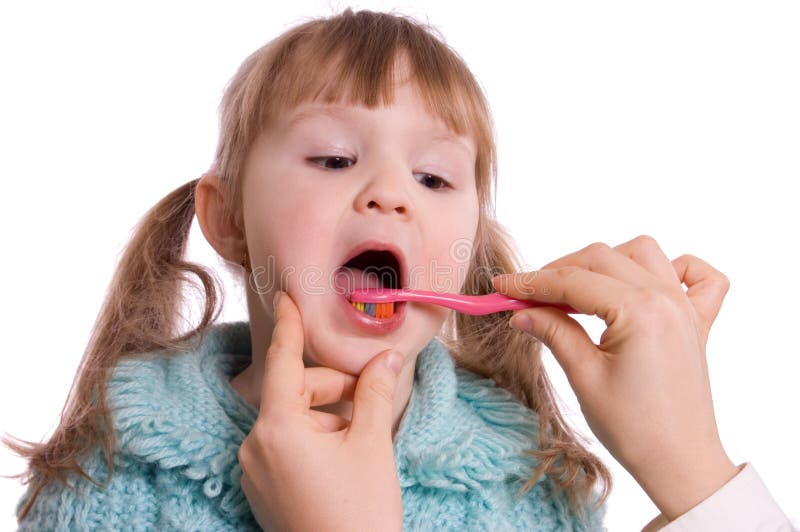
(337, 162)
(436, 182)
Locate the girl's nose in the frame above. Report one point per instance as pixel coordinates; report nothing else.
(385, 192)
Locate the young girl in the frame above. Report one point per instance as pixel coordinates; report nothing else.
(354, 142)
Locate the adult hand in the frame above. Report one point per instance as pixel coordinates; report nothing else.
(644, 390)
(309, 470)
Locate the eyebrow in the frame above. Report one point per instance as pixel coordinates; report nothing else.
(452, 139)
(341, 114)
(337, 113)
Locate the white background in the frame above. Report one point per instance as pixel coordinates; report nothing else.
(679, 120)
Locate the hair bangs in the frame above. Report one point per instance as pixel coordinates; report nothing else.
(347, 72)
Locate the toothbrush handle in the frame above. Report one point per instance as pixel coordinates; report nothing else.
(475, 305)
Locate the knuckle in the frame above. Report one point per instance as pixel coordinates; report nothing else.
(648, 244)
(260, 434)
(688, 257)
(274, 350)
(527, 282)
(263, 450)
(310, 395)
(596, 248)
(245, 483)
(529, 277)
(243, 454)
(265, 438)
(382, 389)
(568, 271)
(551, 333)
(646, 241)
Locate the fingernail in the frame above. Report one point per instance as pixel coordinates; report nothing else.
(522, 322)
(499, 281)
(394, 361)
(275, 299)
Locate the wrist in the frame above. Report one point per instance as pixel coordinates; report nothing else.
(676, 488)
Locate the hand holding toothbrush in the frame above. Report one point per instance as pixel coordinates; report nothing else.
(644, 390)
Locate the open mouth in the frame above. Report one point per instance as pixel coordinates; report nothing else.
(372, 268)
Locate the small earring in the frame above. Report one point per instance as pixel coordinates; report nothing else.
(246, 261)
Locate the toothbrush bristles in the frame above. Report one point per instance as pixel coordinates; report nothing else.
(376, 310)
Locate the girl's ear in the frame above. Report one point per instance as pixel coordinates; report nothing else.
(224, 233)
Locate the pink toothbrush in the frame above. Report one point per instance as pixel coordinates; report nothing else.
(474, 305)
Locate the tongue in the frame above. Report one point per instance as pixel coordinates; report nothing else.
(348, 279)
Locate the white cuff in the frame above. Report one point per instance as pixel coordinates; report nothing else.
(743, 504)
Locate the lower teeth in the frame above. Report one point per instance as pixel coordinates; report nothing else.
(376, 310)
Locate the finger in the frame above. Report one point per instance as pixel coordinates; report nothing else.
(644, 250)
(706, 285)
(588, 292)
(283, 386)
(637, 261)
(328, 422)
(374, 396)
(327, 385)
(601, 258)
(571, 345)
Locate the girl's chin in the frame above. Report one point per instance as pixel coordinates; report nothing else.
(347, 356)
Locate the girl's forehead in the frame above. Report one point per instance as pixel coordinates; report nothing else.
(293, 118)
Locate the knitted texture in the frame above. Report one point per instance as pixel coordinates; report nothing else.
(459, 451)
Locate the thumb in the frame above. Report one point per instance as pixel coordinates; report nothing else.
(570, 344)
(374, 395)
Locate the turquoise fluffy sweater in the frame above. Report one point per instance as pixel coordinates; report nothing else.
(459, 451)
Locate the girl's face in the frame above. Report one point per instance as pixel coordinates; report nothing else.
(328, 178)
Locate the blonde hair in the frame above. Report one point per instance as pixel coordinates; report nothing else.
(347, 57)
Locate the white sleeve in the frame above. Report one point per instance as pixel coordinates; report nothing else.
(743, 504)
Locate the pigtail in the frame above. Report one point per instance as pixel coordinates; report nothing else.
(140, 314)
(487, 346)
